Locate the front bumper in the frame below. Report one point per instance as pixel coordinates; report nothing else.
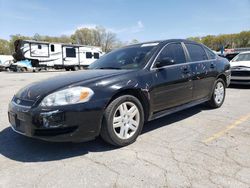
(241, 77)
(2, 68)
(71, 123)
(240, 82)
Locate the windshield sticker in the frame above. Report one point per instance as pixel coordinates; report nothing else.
(149, 44)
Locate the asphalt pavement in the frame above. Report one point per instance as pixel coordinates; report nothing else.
(197, 147)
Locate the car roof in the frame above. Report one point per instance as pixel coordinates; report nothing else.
(163, 42)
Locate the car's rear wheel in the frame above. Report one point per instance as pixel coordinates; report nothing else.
(219, 93)
(123, 121)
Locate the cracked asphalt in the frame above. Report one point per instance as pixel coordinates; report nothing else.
(197, 147)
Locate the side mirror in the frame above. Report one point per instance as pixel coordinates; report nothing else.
(164, 62)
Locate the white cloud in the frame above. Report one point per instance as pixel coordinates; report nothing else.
(138, 27)
(140, 24)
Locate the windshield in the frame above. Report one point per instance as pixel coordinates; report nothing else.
(242, 57)
(132, 57)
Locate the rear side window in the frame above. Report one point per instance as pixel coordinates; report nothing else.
(96, 55)
(173, 51)
(210, 54)
(39, 46)
(70, 52)
(88, 55)
(196, 52)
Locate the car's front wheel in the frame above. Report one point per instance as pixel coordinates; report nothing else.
(219, 93)
(123, 121)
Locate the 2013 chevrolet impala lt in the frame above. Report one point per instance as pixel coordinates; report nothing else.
(121, 91)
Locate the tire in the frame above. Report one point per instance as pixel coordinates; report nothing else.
(23, 69)
(18, 69)
(219, 93)
(75, 68)
(127, 126)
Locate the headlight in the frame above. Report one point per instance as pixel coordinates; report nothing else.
(68, 96)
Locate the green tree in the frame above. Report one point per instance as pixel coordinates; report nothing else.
(238, 40)
(13, 38)
(4, 47)
(244, 38)
(196, 39)
(97, 36)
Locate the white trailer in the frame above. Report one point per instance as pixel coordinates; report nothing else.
(5, 62)
(56, 55)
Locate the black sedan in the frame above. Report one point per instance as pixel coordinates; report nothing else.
(121, 91)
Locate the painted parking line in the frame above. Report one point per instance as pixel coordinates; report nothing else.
(228, 128)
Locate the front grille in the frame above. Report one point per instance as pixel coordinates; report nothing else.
(23, 102)
(20, 126)
(240, 73)
(54, 131)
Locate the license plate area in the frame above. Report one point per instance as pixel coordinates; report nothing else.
(16, 123)
(12, 119)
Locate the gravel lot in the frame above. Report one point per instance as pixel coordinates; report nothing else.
(197, 147)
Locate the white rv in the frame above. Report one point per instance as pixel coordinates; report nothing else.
(56, 55)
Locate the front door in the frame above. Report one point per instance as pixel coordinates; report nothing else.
(172, 83)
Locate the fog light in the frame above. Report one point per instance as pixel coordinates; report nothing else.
(52, 119)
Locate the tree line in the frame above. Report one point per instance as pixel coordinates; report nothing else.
(238, 40)
(108, 40)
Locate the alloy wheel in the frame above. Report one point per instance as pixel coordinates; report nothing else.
(126, 120)
(219, 93)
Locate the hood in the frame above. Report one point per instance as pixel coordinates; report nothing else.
(39, 89)
(240, 64)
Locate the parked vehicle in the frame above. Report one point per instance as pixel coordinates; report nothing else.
(5, 62)
(240, 66)
(229, 56)
(22, 66)
(55, 55)
(121, 91)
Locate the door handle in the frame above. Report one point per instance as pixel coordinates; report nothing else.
(185, 71)
(212, 66)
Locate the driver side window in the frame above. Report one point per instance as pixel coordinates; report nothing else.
(173, 51)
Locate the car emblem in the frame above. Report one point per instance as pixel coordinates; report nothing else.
(18, 101)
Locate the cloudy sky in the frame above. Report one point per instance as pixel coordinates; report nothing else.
(130, 19)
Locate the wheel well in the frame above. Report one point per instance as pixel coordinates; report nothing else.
(223, 77)
(139, 95)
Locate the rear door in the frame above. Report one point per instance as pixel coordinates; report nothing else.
(70, 55)
(203, 66)
(172, 83)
